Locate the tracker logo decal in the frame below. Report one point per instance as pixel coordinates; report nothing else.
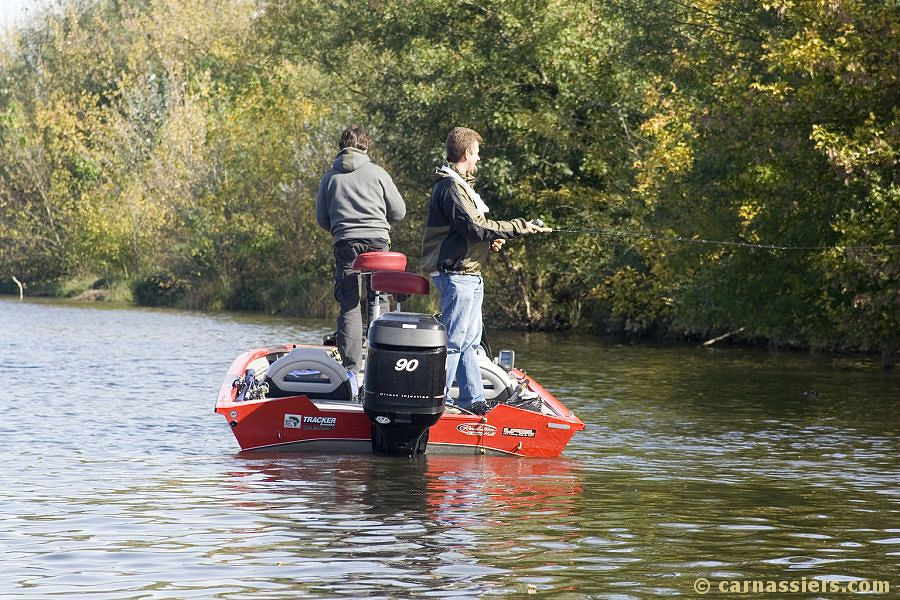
(301, 422)
(319, 422)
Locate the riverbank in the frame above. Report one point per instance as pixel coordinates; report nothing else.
(87, 288)
(698, 186)
(160, 291)
(294, 297)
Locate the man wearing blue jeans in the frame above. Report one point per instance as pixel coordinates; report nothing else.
(458, 240)
(461, 297)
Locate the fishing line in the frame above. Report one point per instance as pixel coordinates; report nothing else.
(682, 239)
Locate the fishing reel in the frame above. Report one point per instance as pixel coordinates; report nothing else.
(249, 388)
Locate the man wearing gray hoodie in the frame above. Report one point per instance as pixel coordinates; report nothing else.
(357, 201)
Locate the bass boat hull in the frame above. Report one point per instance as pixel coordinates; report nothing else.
(533, 424)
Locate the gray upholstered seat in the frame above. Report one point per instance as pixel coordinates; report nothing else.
(311, 372)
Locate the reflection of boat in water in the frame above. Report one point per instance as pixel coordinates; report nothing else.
(514, 485)
(299, 398)
(370, 525)
(447, 488)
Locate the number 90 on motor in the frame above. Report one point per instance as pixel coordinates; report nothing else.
(406, 364)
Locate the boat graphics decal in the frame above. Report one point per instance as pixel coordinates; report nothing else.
(478, 429)
(301, 422)
(518, 432)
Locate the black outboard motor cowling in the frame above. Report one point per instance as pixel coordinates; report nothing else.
(403, 394)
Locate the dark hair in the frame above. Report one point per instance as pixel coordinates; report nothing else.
(459, 140)
(355, 137)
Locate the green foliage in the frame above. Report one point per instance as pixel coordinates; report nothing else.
(187, 139)
(778, 124)
(161, 289)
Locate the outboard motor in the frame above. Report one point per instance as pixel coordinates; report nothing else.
(404, 384)
(403, 394)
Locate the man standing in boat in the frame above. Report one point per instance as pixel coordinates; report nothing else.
(357, 201)
(458, 239)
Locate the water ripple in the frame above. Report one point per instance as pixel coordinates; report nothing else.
(119, 482)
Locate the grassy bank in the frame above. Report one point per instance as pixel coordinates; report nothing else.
(297, 298)
(301, 299)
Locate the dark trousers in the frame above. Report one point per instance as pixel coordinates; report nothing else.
(347, 291)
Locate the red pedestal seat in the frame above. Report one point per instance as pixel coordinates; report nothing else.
(399, 282)
(380, 261)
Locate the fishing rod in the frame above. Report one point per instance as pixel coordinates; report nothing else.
(676, 239)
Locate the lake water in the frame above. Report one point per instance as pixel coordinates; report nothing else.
(118, 481)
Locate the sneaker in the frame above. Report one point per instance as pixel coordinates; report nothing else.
(480, 408)
(355, 385)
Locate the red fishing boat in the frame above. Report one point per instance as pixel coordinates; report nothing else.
(299, 397)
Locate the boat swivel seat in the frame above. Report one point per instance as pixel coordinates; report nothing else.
(369, 262)
(403, 392)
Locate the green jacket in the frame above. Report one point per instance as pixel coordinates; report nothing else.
(457, 235)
